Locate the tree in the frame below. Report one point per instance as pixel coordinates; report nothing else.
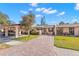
(75, 22)
(28, 21)
(4, 21)
(67, 23)
(61, 23)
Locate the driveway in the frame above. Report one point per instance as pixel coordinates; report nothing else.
(41, 46)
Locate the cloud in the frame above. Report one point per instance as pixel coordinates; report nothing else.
(23, 12)
(39, 15)
(46, 10)
(60, 14)
(33, 4)
(74, 20)
(40, 9)
(77, 6)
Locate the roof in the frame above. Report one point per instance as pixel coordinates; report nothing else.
(48, 26)
(68, 25)
(44, 26)
(15, 24)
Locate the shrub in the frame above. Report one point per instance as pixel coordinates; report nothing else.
(33, 32)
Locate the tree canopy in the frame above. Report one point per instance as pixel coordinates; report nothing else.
(61, 23)
(4, 19)
(28, 20)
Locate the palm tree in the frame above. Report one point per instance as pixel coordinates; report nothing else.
(28, 21)
(4, 21)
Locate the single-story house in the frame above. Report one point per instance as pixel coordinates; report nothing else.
(65, 29)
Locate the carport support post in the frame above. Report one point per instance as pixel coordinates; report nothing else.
(55, 30)
(20, 32)
(16, 32)
(6, 32)
(40, 32)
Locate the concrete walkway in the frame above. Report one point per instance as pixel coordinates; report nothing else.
(14, 42)
(66, 52)
(41, 46)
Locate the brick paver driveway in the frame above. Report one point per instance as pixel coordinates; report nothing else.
(41, 46)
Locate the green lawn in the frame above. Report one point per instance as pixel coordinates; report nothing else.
(67, 42)
(26, 38)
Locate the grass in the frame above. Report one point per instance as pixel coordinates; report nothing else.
(26, 38)
(67, 42)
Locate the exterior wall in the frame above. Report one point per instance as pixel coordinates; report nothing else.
(51, 31)
(48, 30)
(45, 30)
(66, 30)
(76, 31)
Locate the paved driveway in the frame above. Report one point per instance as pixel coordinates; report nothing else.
(41, 46)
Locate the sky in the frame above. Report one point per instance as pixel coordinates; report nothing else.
(53, 12)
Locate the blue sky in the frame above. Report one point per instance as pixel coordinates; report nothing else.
(53, 12)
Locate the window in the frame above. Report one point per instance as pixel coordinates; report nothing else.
(71, 31)
(59, 31)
